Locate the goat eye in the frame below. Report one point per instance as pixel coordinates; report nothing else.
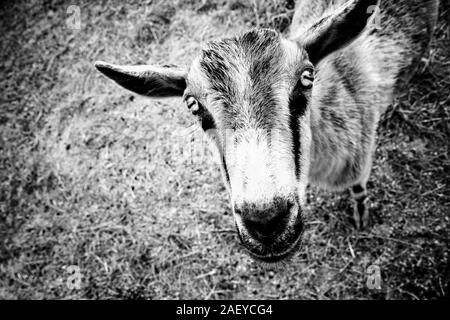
(193, 105)
(307, 78)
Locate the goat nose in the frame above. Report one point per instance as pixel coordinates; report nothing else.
(264, 225)
(264, 231)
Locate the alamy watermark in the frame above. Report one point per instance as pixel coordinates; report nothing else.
(72, 278)
(376, 16)
(73, 20)
(373, 281)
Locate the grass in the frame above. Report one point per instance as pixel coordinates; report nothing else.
(95, 177)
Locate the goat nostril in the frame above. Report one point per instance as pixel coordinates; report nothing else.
(264, 223)
(267, 229)
(263, 229)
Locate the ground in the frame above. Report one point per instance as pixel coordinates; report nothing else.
(104, 194)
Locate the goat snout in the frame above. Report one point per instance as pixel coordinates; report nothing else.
(265, 223)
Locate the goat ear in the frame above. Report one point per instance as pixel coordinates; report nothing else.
(151, 81)
(338, 29)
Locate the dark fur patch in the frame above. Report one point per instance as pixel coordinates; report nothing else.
(262, 48)
(207, 120)
(261, 51)
(297, 106)
(358, 189)
(329, 115)
(218, 63)
(225, 169)
(330, 97)
(349, 74)
(336, 120)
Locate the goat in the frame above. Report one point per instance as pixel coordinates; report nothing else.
(285, 112)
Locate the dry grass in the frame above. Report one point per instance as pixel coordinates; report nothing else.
(93, 176)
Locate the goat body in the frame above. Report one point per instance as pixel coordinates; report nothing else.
(354, 86)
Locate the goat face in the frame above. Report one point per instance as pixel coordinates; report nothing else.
(252, 96)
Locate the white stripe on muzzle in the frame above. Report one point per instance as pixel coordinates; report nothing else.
(261, 166)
